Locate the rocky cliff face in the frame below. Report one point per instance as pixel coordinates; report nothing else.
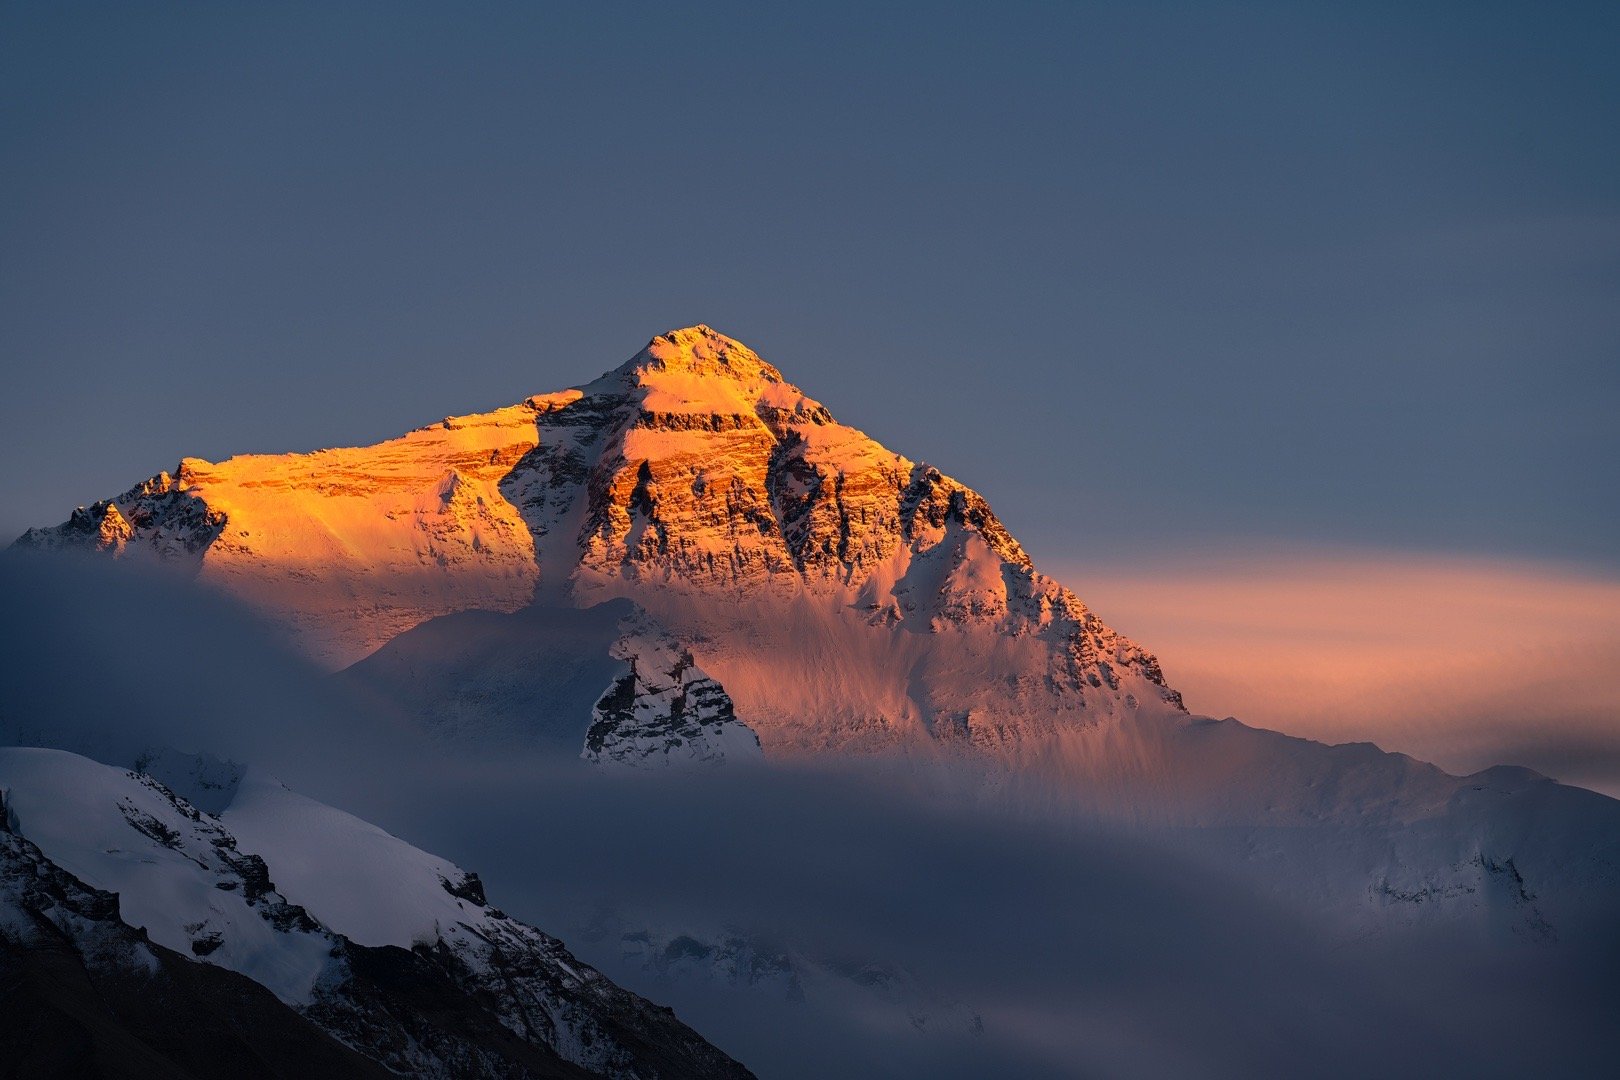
(843, 595)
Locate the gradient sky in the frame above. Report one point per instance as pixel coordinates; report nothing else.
(1464, 662)
(1152, 277)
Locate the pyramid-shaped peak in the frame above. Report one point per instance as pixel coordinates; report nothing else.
(701, 350)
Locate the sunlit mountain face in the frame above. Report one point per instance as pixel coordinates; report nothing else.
(845, 595)
(766, 720)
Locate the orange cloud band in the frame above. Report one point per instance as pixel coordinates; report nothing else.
(1463, 662)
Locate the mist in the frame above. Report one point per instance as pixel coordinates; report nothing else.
(111, 660)
(1085, 949)
(1030, 943)
(1467, 663)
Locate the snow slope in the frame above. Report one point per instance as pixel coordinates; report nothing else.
(368, 929)
(348, 546)
(177, 872)
(85, 994)
(359, 881)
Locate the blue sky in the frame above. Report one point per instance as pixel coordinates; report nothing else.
(1151, 277)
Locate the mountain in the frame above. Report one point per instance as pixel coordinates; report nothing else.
(689, 560)
(285, 938)
(589, 601)
(842, 595)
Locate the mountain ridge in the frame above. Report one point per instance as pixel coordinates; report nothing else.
(391, 952)
(695, 481)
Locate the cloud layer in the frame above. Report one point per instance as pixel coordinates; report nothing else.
(1464, 662)
(1085, 949)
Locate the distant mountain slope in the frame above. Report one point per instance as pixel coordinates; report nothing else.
(108, 878)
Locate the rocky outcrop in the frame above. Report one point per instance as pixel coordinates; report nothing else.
(157, 518)
(664, 710)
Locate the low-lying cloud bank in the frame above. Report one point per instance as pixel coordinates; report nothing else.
(1084, 949)
(1464, 662)
(1081, 949)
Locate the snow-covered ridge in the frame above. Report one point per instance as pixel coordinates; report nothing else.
(346, 546)
(88, 994)
(178, 872)
(341, 921)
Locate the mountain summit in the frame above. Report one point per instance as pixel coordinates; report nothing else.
(701, 351)
(843, 594)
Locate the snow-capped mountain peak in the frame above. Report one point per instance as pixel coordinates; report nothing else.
(697, 351)
(841, 593)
